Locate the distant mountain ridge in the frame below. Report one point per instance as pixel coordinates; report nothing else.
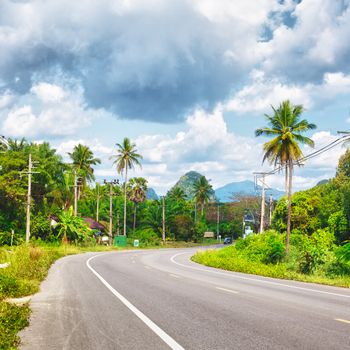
(151, 194)
(187, 181)
(226, 193)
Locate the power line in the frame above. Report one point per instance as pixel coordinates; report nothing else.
(313, 154)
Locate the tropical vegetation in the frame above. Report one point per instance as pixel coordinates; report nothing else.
(286, 128)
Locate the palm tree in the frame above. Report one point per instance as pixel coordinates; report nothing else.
(202, 191)
(178, 194)
(137, 188)
(286, 128)
(82, 161)
(126, 158)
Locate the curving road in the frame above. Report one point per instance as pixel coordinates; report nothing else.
(159, 299)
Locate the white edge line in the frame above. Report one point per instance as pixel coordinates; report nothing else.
(227, 290)
(254, 279)
(157, 330)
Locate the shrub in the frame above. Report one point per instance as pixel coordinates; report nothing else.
(147, 237)
(314, 250)
(343, 253)
(267, 248)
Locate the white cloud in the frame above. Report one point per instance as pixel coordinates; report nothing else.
(262, 92)
(48, 92)
(54, 111)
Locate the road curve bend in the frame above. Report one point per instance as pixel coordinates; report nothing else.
(160, 299)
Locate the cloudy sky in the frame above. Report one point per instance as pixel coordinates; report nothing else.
(187, 80)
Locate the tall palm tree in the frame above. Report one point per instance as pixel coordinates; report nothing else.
(286, 128)
(202, 191)
(82, 161)
(126, 158)
(137, 188)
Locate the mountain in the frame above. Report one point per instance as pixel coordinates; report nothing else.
(322, 182)
(225, 193)
(151, 194)
(186, 183)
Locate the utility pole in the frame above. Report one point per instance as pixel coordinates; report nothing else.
(111, 184)
(263, 189)
(97, 200)
(217, 221)
(163, 220)
(110, 209)
(195, 212)
(29, 194)
(75, 193)
(262, 204)
(271, 207)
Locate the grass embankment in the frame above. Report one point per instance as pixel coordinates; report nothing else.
(308, 261)
(28, 267)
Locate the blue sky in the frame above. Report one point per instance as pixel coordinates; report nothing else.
(188, 81)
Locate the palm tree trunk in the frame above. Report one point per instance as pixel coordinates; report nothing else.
(126, 179)
(289, 204)
(202, 211)
(286, 179)
(134, 225)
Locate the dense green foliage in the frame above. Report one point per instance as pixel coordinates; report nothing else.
(312, 259)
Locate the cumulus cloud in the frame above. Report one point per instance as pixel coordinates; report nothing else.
(316, 44)
(144, 59)
(54, 111)
(263, 91)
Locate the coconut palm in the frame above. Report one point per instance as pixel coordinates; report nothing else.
(202, 191)
(178, 194)
(82, 161)
(137, 188)
(126, 158)
(286, 128)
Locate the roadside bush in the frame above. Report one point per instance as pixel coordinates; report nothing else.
(147, 237)
(267, 248)
(343, 253)
(315, 250)
(5, 238)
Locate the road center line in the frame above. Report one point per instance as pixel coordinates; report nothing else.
(341, 320)
(148, 322)
(227, 274)
(227, 290)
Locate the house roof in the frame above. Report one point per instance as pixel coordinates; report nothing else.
(93, 224)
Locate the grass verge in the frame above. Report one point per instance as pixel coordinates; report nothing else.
(12, 319)
(232, 259)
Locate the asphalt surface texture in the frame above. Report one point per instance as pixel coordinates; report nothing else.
(159, 299)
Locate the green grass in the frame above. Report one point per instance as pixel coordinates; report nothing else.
(233, 260)
(12, 319)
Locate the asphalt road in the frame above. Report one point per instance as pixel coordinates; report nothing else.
(159, 299)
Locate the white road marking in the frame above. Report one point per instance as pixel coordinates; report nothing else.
(172, 259)
(172, 275)
(148, 322)
(341, 320)
(147, 267)
(227, 290)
